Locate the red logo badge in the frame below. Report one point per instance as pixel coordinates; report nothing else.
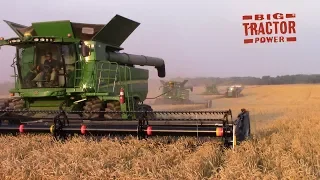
(269, 28)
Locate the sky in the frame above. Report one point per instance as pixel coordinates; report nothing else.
(201, 38)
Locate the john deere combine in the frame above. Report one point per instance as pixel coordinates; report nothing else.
(71, 78)
(174, 92)
(234, 91)
(211, 90)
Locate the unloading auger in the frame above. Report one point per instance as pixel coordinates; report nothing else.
(146, 124)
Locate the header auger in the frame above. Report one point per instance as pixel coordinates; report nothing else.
(72, 78)
(145, 124)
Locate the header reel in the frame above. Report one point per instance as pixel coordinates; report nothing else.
(142, 124)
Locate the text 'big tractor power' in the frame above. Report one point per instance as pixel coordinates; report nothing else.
(70, 78)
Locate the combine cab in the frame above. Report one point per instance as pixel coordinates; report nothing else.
(71, 78)
(234, 91)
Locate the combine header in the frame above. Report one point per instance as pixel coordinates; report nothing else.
(71, 78)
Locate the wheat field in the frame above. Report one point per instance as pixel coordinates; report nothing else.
(286, 145)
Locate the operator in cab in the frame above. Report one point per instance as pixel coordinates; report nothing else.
(49, 70)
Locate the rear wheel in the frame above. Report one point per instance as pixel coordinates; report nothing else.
(16, 104)
(95, 104)
(112, 106)
(92, 104)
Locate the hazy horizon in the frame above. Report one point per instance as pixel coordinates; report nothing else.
(195, 39)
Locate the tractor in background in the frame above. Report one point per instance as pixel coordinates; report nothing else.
(211, 90)
(174, 92)
(234, 91)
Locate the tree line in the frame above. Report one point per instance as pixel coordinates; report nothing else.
(200, 81)
(264, 80)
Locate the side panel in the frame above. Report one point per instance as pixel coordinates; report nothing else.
(139, 82)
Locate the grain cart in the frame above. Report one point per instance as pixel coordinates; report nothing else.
(71, 78)
(234, 91)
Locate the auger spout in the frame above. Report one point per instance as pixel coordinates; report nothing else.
(132, 59)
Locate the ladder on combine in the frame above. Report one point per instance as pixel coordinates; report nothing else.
(15, 75)
(107, 75)
(78, 70)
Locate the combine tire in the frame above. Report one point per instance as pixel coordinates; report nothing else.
(94, 104)
(16, 104)
(113, 106)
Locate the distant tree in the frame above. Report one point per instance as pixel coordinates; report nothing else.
(264, 80)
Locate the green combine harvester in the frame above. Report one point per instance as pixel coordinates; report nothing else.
(71, 78)
(174, 92)
(234, 91)
(211, 90)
